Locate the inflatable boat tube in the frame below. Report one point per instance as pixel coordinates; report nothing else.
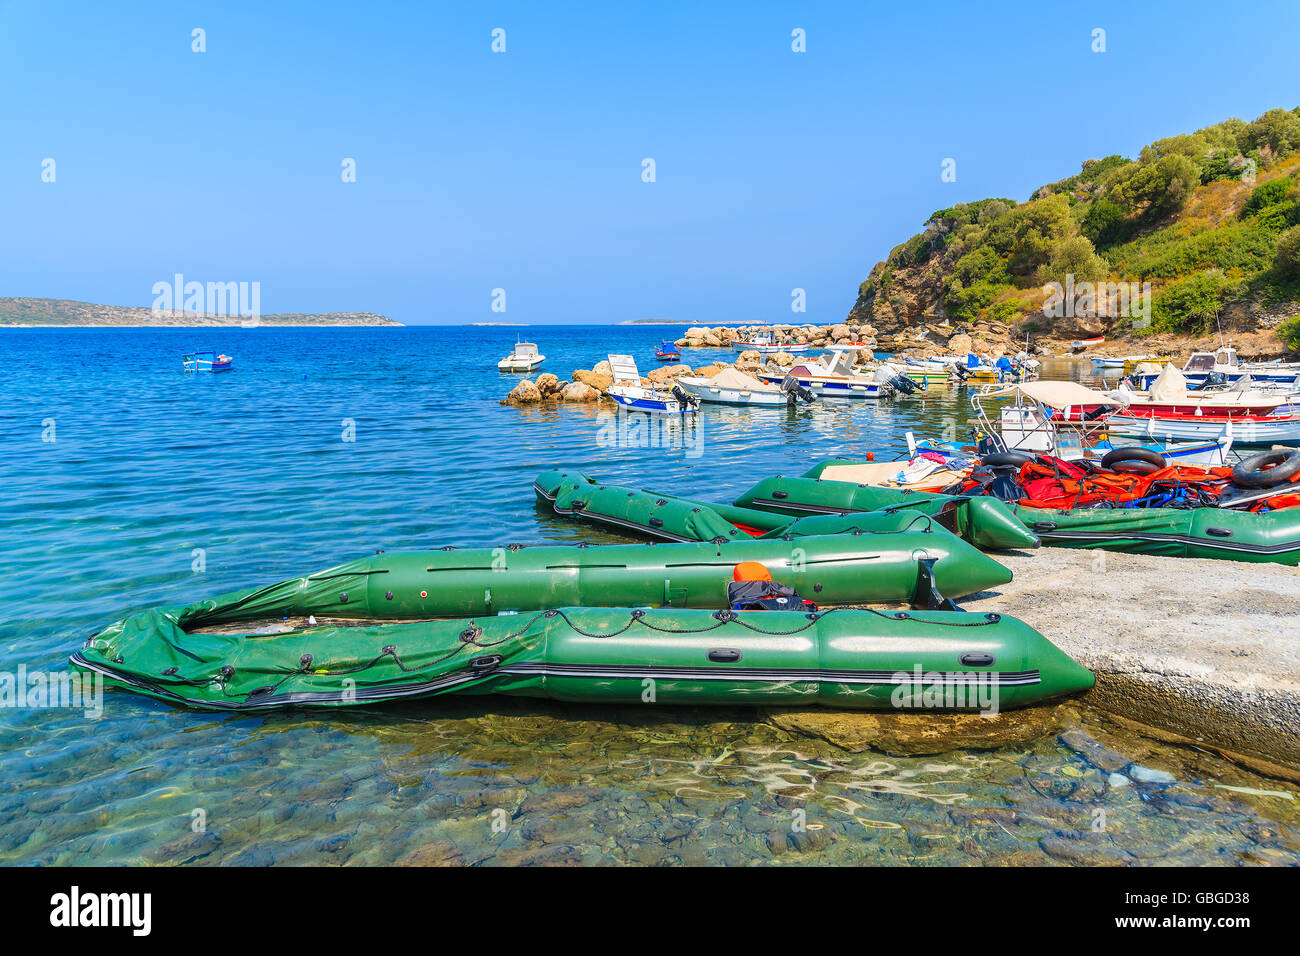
(672, 518)
(984, 522)
(1270, 537)
(840, 658)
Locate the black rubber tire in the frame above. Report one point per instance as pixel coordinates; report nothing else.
(1267, 469)
(1004, 458)
(1134, 453)
(1135, 467)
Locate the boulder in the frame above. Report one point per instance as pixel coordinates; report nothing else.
(960, 344)
(666, 373)
(603, 368)
(596, 380)
(783, 358)
(548, 384)
(840, 332)
(579, 392)
(749, 359)
(525, 393)
(711, 340)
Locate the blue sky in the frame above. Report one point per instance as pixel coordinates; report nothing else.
(523, 170)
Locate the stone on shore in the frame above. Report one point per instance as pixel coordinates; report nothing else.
(666, 373)
(579, 392)
(596, 379)
(548, 384)
(525, 393)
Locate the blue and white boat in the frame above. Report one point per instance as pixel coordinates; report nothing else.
(833, 376)
(628, 391)
(1222, 367)
(207, 361)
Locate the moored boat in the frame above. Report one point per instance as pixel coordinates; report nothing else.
(629, 392)
(207, 361)
(733, 387)
(765, 343)
(833, 376)
(524, 357)
(667, 351)
(844, 658)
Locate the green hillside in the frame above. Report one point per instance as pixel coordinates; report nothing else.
(1210, 219)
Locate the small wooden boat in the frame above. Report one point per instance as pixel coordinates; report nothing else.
(667, 351)
(524, 357)
(630, 393)
(765, 343)
(733, 387)
(206, 361)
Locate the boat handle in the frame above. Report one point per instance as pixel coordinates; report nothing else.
(1044, 525)
(656, 522)
(977, 659)
(724, 655)
(780, 494)
(1219, 532)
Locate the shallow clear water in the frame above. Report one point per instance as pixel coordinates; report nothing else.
(324, 445)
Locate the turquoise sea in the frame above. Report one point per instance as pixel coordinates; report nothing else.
(128, 484)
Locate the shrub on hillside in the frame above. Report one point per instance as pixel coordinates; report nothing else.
(1191, 304)
(1288, 253)
(1267, 194)
(1073, 256)
(1289, 333)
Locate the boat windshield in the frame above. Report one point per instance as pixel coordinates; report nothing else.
(1200, 362)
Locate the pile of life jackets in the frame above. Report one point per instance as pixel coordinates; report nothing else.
(1048, 482)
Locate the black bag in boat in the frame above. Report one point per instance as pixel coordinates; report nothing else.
(765, 596)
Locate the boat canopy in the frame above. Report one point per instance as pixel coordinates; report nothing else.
(1170, 385)
(1056, 394)
(734, 378)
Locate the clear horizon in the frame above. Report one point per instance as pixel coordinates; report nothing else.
(522, 170)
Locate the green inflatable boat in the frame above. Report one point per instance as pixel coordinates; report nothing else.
(941, 660)
(1272, 537)
(985, 522)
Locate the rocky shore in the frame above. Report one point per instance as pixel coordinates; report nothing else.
(1193, 651)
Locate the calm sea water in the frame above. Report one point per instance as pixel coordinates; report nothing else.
(128, 484)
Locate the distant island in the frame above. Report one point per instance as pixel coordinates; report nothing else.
(495, 325)
(58, 313)
(651, 322)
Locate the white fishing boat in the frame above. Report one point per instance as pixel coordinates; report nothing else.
(765, 343)
(1170, 410)
(629, 392)
(733, 387)
(1224, 366)
(524, 357)
(833, 376)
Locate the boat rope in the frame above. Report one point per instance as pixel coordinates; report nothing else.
(470, 637)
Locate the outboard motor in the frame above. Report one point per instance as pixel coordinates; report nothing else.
(1213, 380)
(795, 392)
(685, 398)
(901, 383)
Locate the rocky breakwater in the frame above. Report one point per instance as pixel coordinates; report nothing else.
(701, 337)
(592, 385)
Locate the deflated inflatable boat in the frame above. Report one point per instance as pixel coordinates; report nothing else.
(842, 658)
